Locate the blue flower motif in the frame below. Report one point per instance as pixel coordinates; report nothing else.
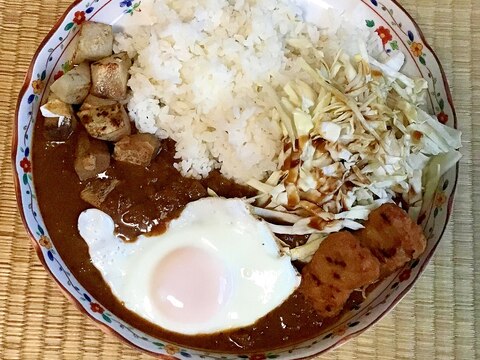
(374, 2)
(126, 3)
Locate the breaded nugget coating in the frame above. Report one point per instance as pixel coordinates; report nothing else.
(392, 237)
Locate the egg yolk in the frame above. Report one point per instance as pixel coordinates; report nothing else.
(190, 285)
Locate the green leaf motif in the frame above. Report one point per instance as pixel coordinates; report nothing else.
(106, 318)
(422, 60)
(69, 26)
(159, 344)
(445, 185)
(394, 45)
(25, 179)
(441, 103)
(370, 23)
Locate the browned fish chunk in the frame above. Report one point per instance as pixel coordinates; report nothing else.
(59, 120)
(95, 41)
(73, 87)
(392, 237)
(339, 266)
(91, 157)
(97, 191)
(109, 123)
(138, 149)
(92, 101)
(59, 129)
(110, 76)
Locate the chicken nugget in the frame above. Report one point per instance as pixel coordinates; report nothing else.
(392, 237)
(339, 266)
(326, 299)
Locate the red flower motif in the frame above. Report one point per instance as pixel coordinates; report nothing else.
(440, 199)
(405, 275)
(384, 34)
(79, 17)
(442, 117)
(26, 165)
(96, 308)
(58, 75)
(257, 357)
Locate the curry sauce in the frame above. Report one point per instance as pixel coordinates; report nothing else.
(144, 201)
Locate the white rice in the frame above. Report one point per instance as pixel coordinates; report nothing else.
(198, 74)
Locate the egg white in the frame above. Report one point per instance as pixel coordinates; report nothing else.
(261, 278)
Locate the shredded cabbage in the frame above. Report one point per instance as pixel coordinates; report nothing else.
(355, 137)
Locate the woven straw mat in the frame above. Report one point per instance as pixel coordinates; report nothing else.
(439, 319)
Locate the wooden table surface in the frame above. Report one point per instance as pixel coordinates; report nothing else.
(439, 319)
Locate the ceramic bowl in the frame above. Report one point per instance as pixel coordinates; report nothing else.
(397, 31)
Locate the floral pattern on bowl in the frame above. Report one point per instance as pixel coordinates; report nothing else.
(397, 31)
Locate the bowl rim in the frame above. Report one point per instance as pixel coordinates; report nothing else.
(110, 331)
(14, 151)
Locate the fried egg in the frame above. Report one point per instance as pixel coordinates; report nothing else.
(215, 268)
